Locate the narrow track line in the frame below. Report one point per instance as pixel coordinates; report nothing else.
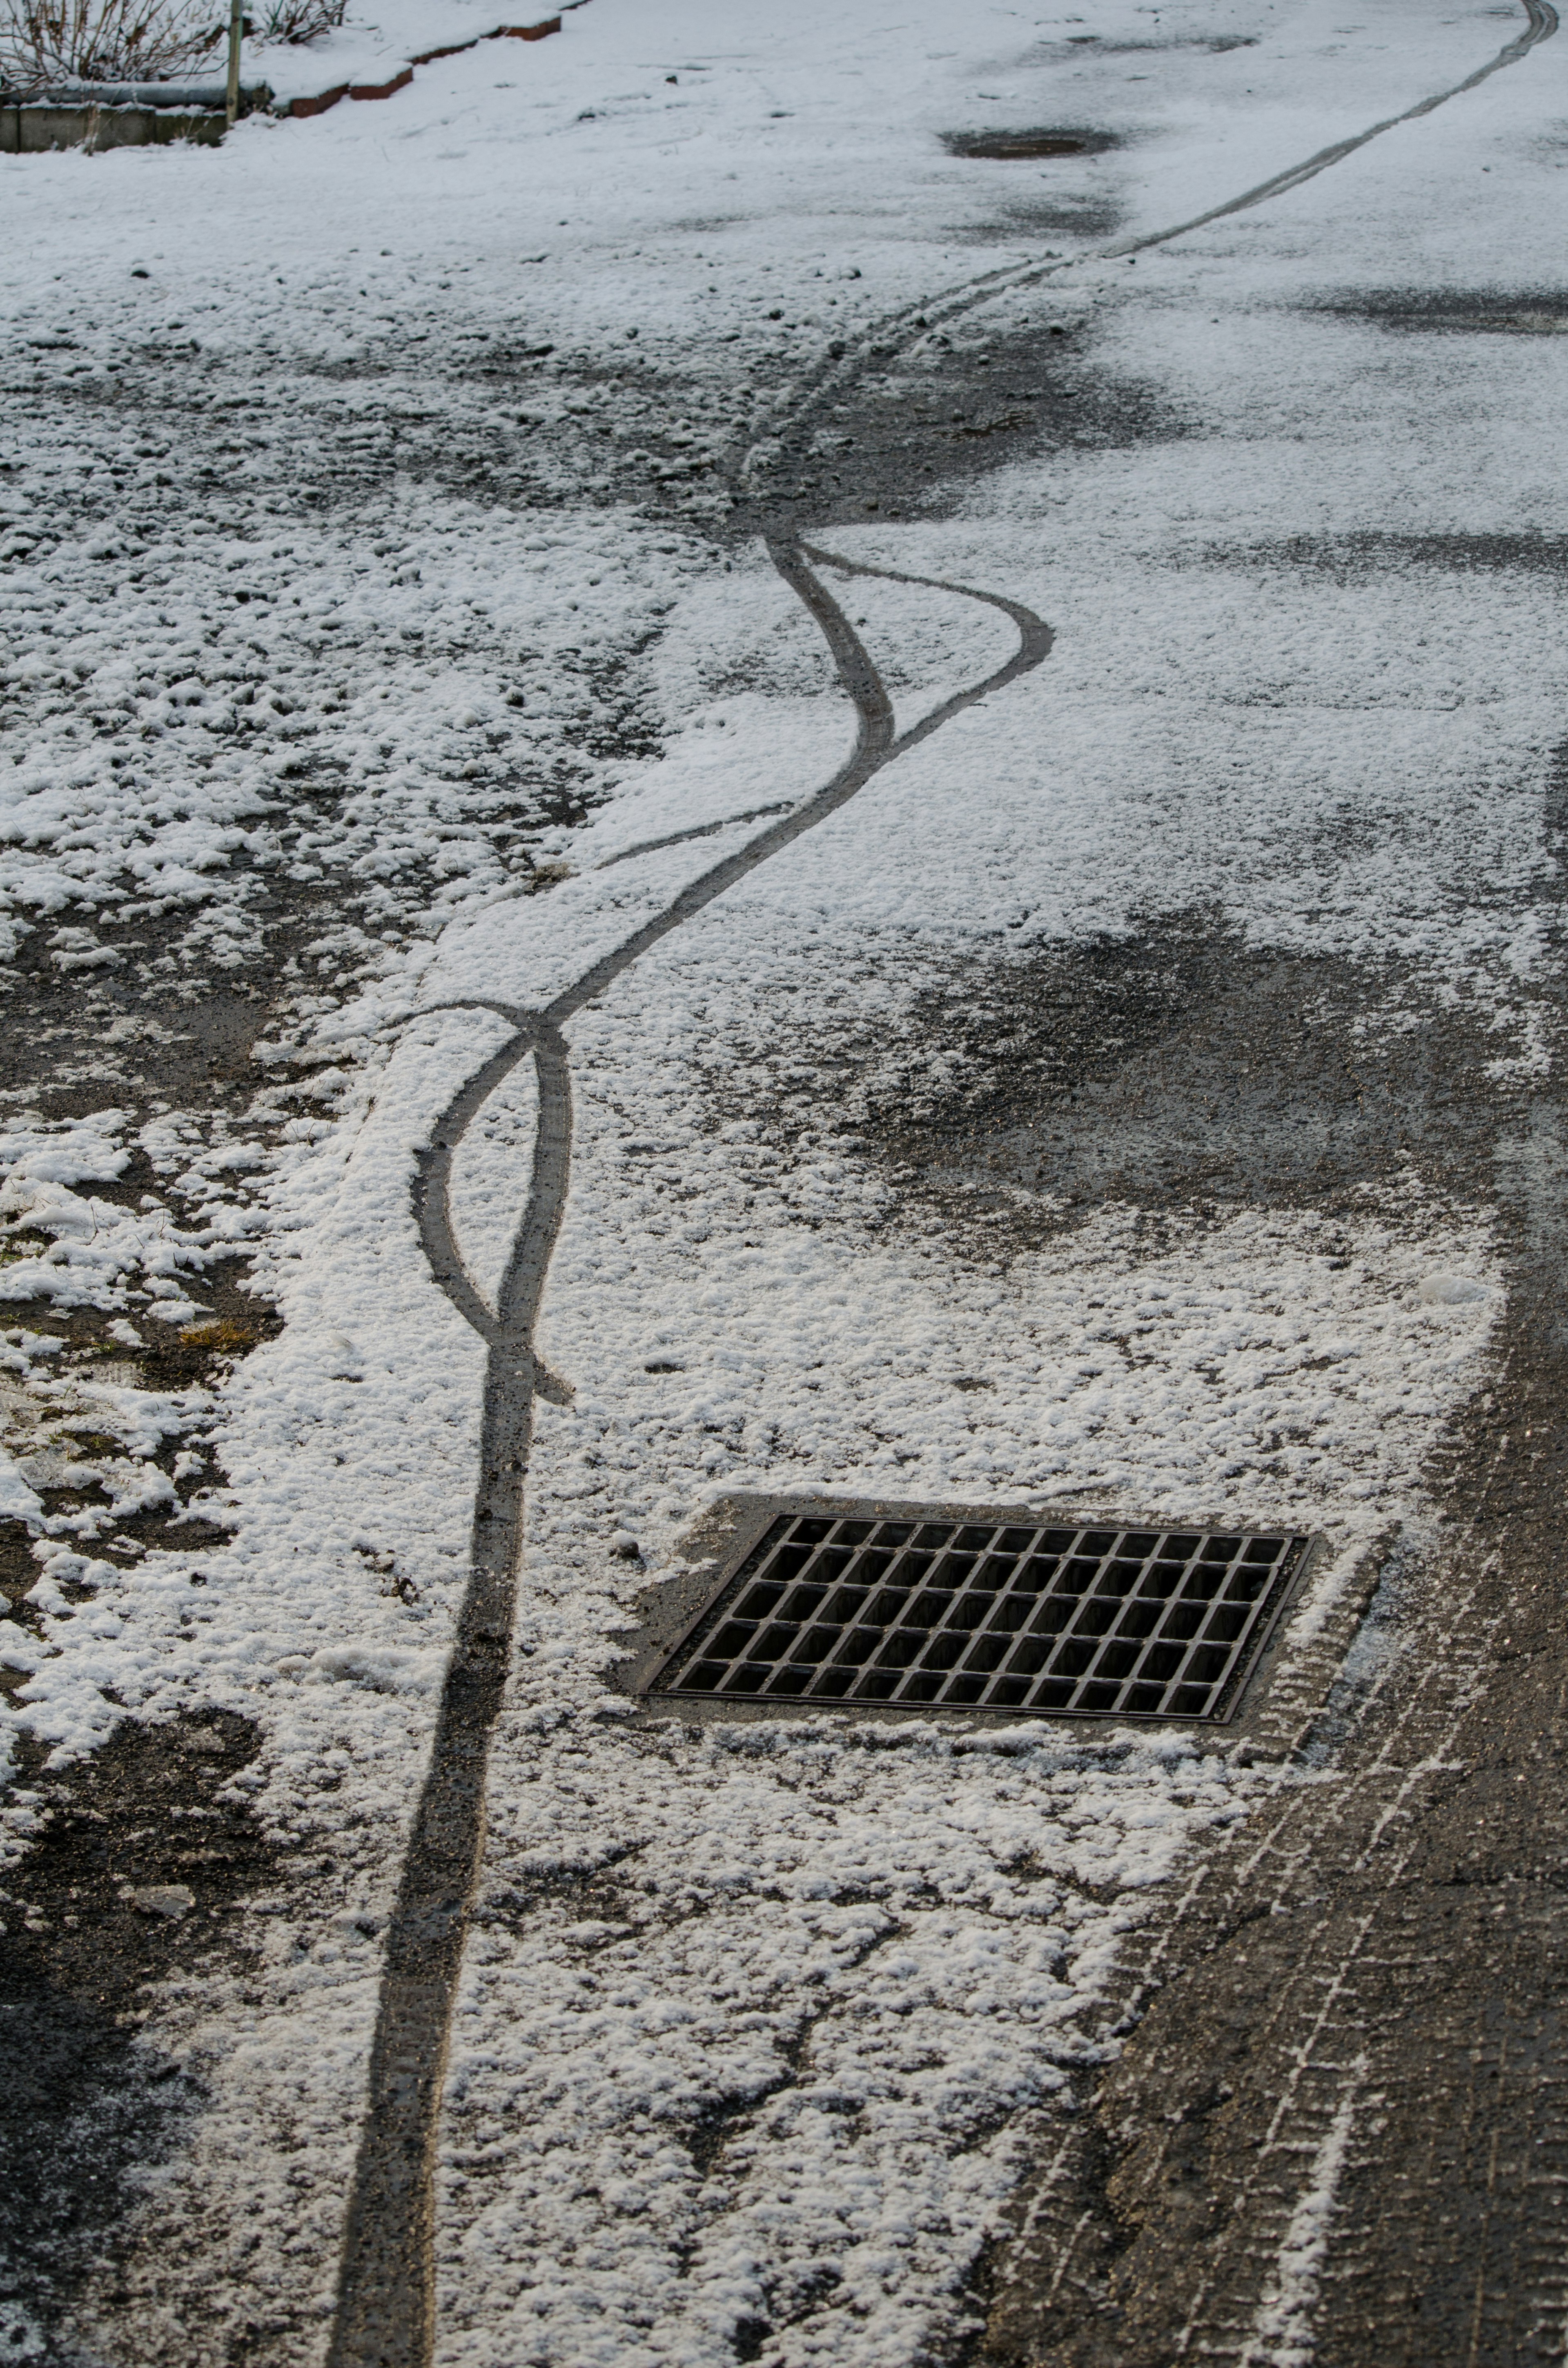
(697, 830)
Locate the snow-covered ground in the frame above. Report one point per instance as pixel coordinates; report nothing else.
(375, 593)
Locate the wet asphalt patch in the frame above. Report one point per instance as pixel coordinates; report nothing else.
(1175, 1070)
(927, 413)
(1354, 558)
(1441, 1963)
(908, 440)
(140, 1857)
(1029, 221)
(1059, 208)
(197, 1034)
(1457, 312)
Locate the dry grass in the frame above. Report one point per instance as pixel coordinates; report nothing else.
(299, 21)
(22, 1242)
(44, 41)
(223, 1333)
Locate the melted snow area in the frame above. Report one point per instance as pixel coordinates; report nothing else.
(758, 2022)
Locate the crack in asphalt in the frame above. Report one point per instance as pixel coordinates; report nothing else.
(385, 2310)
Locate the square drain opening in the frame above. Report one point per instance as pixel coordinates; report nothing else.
(989, 1612)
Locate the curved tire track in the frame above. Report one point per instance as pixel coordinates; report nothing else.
(386, 2298)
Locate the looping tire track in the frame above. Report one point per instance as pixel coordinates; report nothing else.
(386, 2313)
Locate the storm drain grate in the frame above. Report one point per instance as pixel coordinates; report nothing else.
(983, 1614)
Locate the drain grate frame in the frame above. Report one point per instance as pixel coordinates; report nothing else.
(996, 1610)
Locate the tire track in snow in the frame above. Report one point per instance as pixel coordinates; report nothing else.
(386, 2298)
(385, 2316)
(902, 329)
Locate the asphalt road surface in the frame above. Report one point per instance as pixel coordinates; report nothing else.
(851, 784)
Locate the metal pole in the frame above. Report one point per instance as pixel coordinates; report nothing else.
(236, 26)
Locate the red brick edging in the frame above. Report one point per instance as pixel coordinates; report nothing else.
(319, 105)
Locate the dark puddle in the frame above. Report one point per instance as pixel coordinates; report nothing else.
(1078, 44)
(85, 2105)
(1173, 1070)
(1479, 312)
(1007, 146)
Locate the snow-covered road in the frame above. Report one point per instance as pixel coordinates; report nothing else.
(541, 844)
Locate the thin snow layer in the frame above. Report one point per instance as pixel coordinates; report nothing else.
(925, 644)
(750, 2017)
(169, 677)
(1245, 1369)
(787, 1985)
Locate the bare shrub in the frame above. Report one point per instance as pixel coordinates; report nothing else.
(299, 21)
(44, 41)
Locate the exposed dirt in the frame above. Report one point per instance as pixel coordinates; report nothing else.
(142, 1859)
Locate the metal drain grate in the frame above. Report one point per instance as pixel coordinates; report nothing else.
(981, 1613)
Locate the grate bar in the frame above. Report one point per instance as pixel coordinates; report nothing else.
(990, 1613)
